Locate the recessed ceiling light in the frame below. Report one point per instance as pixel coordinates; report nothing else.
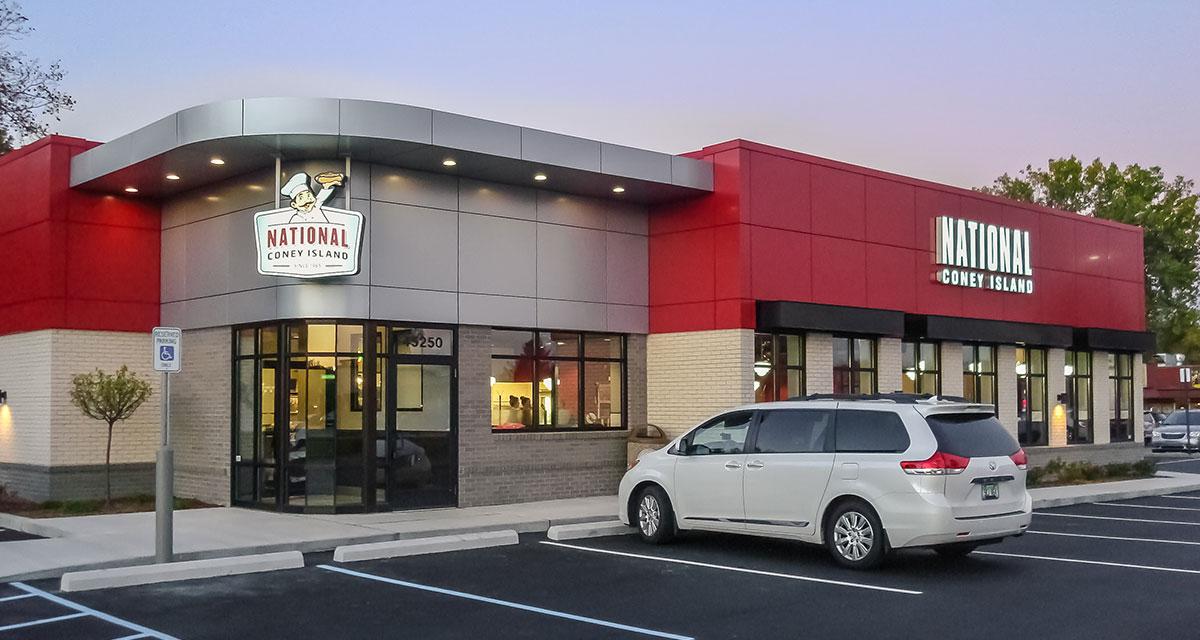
(449, 162)
(130, 189)
(217, 161)
(254, 187)
(172, 176)
(540, 177)
(618, 189)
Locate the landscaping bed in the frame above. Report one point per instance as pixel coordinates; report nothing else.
(16, 505)
(1057, 473)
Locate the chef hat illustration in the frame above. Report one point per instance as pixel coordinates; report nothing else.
(295, 184)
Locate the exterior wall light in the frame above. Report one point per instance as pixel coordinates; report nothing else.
(540, 177)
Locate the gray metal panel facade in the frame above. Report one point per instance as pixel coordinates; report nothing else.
(436, 249)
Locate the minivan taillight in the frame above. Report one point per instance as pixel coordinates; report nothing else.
(1020, 459)
(938, 464)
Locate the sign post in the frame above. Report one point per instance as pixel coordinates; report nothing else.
(167, 343)
(1185, 377)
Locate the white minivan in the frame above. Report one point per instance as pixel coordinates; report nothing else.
(860, 475)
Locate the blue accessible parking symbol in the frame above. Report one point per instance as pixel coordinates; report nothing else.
(166, 353)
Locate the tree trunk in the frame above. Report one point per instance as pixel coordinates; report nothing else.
(108, 468)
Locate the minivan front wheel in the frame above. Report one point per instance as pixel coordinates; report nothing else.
(855, 537)
(653, 516)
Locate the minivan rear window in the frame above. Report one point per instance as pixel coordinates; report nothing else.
(870, 432)
(971, 435)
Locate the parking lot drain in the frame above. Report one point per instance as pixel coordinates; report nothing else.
(505, 603)
(789, 576)
(1093, 562)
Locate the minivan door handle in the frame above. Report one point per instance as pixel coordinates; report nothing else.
(757, 464)
(733, 464)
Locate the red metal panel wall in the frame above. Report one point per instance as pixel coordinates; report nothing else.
(782, 225)
(73, 260)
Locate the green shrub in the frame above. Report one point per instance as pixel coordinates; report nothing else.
(1058, 472)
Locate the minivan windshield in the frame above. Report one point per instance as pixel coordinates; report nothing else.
(1181, 417)
(971, 435)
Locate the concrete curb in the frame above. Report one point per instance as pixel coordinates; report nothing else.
(1105, 495)
(28, 525)
(421, 546)
(175, 571)
(588, 530)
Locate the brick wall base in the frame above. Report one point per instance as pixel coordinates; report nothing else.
(1094, 453)
(76, 482)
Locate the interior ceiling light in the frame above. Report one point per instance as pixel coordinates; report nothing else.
(172, 176)
(217, 161)
(540, 177)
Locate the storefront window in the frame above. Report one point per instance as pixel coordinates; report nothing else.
(1078, 372)
(1120, 374)
(552, 380)
(853, 365)
(778, 367)
(979, 374)
(1031, 397)
(922, 370)
(254, 450)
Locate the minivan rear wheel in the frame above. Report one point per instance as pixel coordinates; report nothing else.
(855, 536)
(653, 516)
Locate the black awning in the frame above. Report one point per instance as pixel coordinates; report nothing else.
(979, 330)
(1114, 340)
(776, 315)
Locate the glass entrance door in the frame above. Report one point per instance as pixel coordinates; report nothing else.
(421, 426)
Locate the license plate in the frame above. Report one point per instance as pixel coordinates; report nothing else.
(991, 491)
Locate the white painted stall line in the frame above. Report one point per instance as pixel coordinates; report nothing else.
(1092, 562)
(88, 611)
(1078, 515)
(506, 603)
(1121, 538)
(1181, 497)
(772, 574)
(34, 623)
(16, 597)
(1144, 506)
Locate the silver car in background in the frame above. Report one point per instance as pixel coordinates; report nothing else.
(1179, 432)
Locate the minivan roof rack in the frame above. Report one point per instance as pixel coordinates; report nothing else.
(898, 397)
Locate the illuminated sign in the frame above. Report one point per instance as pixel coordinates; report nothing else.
(307, 239)
(982, 256)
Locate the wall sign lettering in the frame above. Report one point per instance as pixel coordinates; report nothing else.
(307, 239)
(982, 256)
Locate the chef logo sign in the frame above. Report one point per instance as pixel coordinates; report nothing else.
(308, 239)
(982, 256)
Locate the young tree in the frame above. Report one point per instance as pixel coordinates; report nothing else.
(29, 92)
(1166, 209)
(110, 398)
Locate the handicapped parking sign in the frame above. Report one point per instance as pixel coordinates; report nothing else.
(167, 344)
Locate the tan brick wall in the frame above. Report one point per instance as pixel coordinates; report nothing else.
(25, 420)
(692, 375)
(890, 365)
(1006, 381)
(952, 380)
(78, 440)
(201, 396)
(1101, 397)
(1056, 383)
(818, 363)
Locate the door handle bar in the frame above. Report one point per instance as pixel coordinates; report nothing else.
(732, 465)
(757, 464)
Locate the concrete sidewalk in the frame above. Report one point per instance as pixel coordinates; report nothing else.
(96, 542)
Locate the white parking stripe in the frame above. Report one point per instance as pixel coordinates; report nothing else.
(132, 626)
(1078, 515)
(1182, 497)
(16, 597)
(1177, 461)
(32, 623)
(505, 603)
(1095, 562)
(1098, 537)
(1145, 506)
(790, 576)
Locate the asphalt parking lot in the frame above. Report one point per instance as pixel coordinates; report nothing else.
(1107, 570)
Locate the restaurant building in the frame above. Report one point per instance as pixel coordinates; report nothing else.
(388, 307)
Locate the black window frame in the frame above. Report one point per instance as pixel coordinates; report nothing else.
(1114, 409)
(581, 359)
(1075, 382)
(1025, 422)
(854, 370)
(917, 372)
(778, 367)
(978, 377)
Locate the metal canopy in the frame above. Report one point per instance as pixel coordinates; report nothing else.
(249, 134)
